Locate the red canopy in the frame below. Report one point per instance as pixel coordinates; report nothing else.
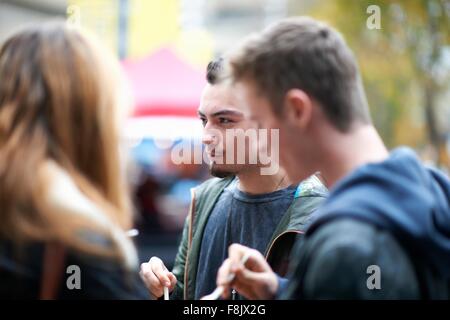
(164, 85)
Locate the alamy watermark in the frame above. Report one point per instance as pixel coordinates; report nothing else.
(74, 279)
(374, 280)
(373, 21)
(234, 147)
(73, 15)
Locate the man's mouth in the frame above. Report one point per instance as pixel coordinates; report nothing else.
(214, 155)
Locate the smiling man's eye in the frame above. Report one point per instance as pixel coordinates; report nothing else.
(203, 120)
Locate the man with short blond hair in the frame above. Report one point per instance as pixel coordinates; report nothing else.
(384, 231)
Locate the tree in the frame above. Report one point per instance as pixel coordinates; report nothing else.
(404, 63)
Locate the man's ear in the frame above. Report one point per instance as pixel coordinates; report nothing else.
(299, 108)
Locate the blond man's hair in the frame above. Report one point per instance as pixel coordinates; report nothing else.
(305, 54)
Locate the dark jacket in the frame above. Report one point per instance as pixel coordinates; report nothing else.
(310, 194)
(21, 275)
(395, 215)
(21, 267)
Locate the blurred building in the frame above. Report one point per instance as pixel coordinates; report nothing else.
(231, 20)
(198, 29)
(15, 14)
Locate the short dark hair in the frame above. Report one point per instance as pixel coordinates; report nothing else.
(213, 70)
(309, 55)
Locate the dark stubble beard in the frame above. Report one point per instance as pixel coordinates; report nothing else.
(216, 172)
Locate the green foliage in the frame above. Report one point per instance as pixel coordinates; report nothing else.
(400, 62)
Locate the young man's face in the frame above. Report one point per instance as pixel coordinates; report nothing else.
(291, 147)
(219, 112)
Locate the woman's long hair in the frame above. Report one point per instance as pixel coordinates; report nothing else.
(59, 105)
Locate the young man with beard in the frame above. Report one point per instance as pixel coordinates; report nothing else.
(240, 205)
(384, 230)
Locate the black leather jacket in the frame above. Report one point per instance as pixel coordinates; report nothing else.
(100, 278)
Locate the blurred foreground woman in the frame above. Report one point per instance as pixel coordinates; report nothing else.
(64, 206)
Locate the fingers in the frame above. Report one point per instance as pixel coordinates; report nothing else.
(156, 276)
(173, 281)
(151, 281)
(254, 279)
(236, 252)
(223, 278)
(160, 271)
(255, 285)
(245, 281)
(255, 261)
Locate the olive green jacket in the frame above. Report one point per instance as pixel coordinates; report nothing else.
(309, 195)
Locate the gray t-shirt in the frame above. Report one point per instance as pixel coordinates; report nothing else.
(238, 217)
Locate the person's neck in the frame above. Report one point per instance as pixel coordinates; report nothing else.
(346, 152)
(253, 182)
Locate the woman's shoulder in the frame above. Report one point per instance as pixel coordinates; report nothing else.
(65, 196)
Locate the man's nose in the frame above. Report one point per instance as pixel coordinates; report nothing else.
(209, 135)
